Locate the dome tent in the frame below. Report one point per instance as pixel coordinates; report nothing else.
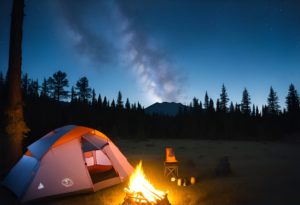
(70, 159)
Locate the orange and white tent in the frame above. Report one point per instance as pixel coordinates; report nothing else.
(70, 159)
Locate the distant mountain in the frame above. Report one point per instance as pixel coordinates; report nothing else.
(165, 108)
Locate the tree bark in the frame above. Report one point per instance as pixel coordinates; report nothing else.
(15, 125)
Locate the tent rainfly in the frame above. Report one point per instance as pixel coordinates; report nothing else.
(71, 159)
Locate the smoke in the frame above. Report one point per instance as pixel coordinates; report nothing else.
(122, 39)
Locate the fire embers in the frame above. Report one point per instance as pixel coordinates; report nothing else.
(140, 199)
(141, 192)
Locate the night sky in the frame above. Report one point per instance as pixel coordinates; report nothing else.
(165, 50)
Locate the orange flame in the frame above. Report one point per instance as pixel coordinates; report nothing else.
(139, 184)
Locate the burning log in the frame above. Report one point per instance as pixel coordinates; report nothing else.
(140, 199)
(141, 192)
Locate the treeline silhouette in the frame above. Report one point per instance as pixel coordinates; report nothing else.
(52, 104)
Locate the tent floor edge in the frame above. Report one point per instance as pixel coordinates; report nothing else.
(52, 197)
(107, 183)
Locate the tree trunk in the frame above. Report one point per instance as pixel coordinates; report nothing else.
(15, 125)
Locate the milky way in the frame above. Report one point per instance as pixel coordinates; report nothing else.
(159, 76)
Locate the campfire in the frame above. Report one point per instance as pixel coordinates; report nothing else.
(141, 192)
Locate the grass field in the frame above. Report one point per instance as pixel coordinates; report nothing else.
(263, 173)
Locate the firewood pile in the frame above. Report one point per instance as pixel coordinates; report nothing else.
(139, 199)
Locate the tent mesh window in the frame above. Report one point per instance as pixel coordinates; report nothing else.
(97, 172)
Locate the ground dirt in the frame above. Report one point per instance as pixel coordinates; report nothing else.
(263, 173)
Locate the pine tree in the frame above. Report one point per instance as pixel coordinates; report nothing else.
(206, 101)
(223, 99)
(94, 100)
(237, 108)
(83, 89)
(113, 104)
(253, 111)
(57, 84)
(218, 106)
(263, 110)
(273, 104)
(127, 104)
(257, 114)
(119, 101)
(200, 106)
(33, 88)
(211, 107)
(99, 101)
(134, 106)
(25, 84)
(231, 108)
(292, 100)
(139, 106)
(246, 109)
(45, 88)
(195, 104)
(105, 102)
(73, 94)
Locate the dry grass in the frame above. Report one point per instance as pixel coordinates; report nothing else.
(262, 173)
